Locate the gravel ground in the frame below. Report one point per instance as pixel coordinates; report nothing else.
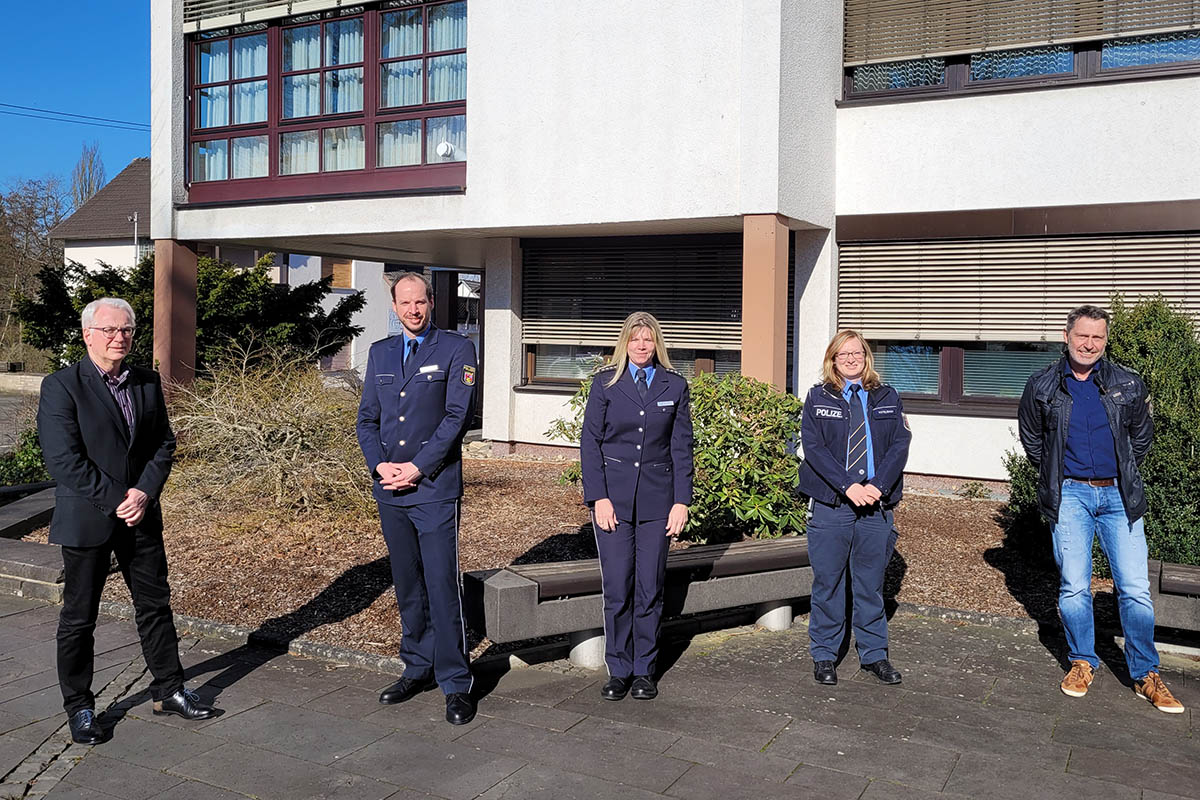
(328, 579)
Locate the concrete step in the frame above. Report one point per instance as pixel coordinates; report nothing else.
(31, 561)
(27, 514)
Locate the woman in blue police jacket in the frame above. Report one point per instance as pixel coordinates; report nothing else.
(855, 446)
(636, 454)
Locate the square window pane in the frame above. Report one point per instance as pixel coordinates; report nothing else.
(910, 367)
(1000, 369)
(302, 95)
(250, 56)
(448, 27)
(344, 148)
(567, 361)
(446, 139)
(1142, 51)
(301, 48)
(212, 107)
(343, 90)
(400, 83)
(251, 156)
(401, 34)
(299, 152)
(1021, 63)
(249, 102)
(343, 42)
(898, 75)
(448, 78)
(212, 61)
(398, 144)
(210, 160)
(727, 362)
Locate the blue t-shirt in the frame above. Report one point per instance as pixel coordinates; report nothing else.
(1091, 452)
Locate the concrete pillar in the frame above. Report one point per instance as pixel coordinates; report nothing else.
(587, 649)
(502, 330)
(775, 615)
(816, 304)
(175, 311)
(764, 298)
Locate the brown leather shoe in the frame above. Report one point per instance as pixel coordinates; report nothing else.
(1153, 689)
(1077, 681)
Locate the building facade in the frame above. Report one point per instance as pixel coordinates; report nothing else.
(756, 173)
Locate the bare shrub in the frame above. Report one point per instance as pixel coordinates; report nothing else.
(265, 426)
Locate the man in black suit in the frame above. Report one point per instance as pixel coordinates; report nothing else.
(107, 442)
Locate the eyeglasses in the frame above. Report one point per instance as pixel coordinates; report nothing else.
(857, 355)
(111, 332)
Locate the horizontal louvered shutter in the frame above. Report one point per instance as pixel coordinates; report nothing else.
(205, 14)
(579, 291)
(891, 30)
(1005, 289)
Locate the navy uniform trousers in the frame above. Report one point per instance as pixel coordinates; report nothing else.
(846, 539)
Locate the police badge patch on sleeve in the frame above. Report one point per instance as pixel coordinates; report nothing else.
(468, 376)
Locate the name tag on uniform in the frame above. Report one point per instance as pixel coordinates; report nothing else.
(428, 368)
(662, 403)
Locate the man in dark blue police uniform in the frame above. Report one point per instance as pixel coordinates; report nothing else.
(418, 395)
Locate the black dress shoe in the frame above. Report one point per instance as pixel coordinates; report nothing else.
(84, 728)
(825, 672)
(615, 689)
(883, 670)
(644, 688)
(184, 703)
(405, 689)
(460, 708)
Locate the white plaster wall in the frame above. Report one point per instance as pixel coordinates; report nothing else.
(966, 447)
(816, 309)
(1106, 143)
(502, 337)
(94, 254)
(368, 278)
(533, 413)
(584, 112)
(167, 94)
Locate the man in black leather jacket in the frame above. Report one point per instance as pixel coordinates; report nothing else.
(1085, 424)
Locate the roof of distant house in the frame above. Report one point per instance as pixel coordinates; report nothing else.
(106, 214)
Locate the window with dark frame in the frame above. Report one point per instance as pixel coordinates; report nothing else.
(369, 98)
(1149, 55)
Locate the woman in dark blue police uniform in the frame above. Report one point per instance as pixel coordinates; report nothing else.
(855, 447)
(636, 454)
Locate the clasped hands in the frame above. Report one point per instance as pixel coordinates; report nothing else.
(606, 517)
(396, 477)
(133, 507)
(863, 494)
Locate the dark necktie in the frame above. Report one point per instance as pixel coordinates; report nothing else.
(641, 383)
(856, 444)
(408, 356)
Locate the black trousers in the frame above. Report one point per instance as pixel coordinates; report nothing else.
(143, 562)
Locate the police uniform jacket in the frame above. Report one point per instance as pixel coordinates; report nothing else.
(418, 413)
(824, 429)
(637, 452)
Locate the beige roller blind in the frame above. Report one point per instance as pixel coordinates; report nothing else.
(890, 30)
(1005, 290)
(199, 15)
(579, 291)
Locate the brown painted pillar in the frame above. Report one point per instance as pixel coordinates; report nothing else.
(174, 311)
(764, 298)
(445, 300)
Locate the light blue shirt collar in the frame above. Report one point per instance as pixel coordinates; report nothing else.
(649, 372)
(420, 337)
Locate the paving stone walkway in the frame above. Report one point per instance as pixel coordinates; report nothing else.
(979, 716)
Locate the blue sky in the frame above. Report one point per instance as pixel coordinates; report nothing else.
(89, 57)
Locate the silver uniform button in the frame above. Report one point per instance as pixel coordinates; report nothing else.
(402, 443)
(402, 419)
(637, 463)
(639, 447)
(861, 472)
(402, 394)
(639, 430)
(641, 413)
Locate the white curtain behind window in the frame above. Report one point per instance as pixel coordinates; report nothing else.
(251, 157)
(210, 160)
(249, 102)
(343, 42)
(298, 152)
(400, 83)
(448, 78)
(302, 95)
(399, 143)
(214, 106)
(250, 56)
(213, 63)
(401, 33)
(344, 148)
(448, 27)
(301, 48)
(452, 130)
(343, 90)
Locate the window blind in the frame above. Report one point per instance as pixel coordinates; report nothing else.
(892, 30)
(1014, 290)
(579, 291)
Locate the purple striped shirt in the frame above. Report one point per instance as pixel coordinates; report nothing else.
(120, 393)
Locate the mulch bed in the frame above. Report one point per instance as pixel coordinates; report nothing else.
(327, 578)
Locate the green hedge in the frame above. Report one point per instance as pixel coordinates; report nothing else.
(24, 464)
(746, 464)
(1159, 342)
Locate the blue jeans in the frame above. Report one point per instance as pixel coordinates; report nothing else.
(1085, 512)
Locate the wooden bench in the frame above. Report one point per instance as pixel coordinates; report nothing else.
(1175, 590)
(534, 600)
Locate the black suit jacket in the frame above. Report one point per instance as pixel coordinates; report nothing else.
(90, 453)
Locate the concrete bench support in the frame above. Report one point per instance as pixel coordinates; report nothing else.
(587, 649)
(1172, 610)
(775, 615)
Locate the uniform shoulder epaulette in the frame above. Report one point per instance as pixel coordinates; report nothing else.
(673, 371)
(605, 368)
